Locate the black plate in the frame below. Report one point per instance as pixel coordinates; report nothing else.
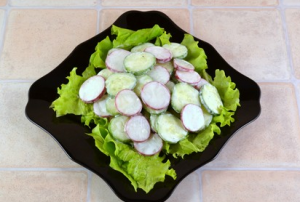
(70, 134)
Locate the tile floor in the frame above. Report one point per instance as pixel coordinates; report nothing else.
(259, 38)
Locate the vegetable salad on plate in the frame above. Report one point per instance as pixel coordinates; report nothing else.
(147, 99)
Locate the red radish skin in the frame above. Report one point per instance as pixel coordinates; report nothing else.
(201, 83)
(161, 54)
(92, 89)
(114, 61)
(149, 147)
(183, 65)
(138, 128)
(159, 74)
(191, 77)
(128, 103)
(155, 95)
(187, 118)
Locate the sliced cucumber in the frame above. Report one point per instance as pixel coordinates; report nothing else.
(153, 119)
(119, 81)
(177, 50)
(139, 63)
(182, 95)
(105, 73)
(207, 116)
(170, 85)
(117, 128)
(141, 81)
(111, 106)
(153, 111)
(210, 99)
(170, 128)
(141, 48)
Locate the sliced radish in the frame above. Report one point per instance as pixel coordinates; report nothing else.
(155, 95)
(200, 84)
(114, 61)
(138, 128)
(128, 103)
(92, 89)
(160, 74)
(149, 147)
(188, 77)
(192, 118)
(183, 65)
(100, 107)
(161, 54)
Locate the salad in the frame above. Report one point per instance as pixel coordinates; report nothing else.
(146, 99)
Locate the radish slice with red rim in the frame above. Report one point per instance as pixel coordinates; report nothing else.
(155, 95)
(188, 77)
(160, 74)
(201, 83)
(149, 147)
(192, 118)
(114, 61)
(183, 65)
(128, 103)
(161, 54)
(92, 89)
(100, 107)
(138, 128)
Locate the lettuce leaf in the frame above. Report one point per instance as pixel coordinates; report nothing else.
(97, 59)
(142, 171)
(196, 55)
(163, 39)
(127, 39)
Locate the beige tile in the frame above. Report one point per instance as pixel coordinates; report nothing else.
(101, 192)
(188, 190)
(273, 139)
(251, 40)
(2, 18)
(109, 16)
(46, 186)
(292, 18)
(234, 3)
(53, 3)
(3, 2)
(36, 41)
(291, 2)
(143, 3)
(23, 144)
(249, 186)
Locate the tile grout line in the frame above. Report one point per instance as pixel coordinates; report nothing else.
(293, 79)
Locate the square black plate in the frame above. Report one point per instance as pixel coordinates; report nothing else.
(70, 133)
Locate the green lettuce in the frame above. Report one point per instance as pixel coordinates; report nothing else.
(196, 55)
(127, 39)
(163, 39)
(142, 171)
(97, 59)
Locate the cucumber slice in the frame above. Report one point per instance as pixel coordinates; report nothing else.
(177, 50)
(116, 128)
(170, 128)
(207, 116)
(139, 63)
(141, 81)
(182, 95)
(170, 85)
(153, 119)
(154, 111)
(111, 106)
(141, 48)
(119, 81)
(105, 73)
(210, 99)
